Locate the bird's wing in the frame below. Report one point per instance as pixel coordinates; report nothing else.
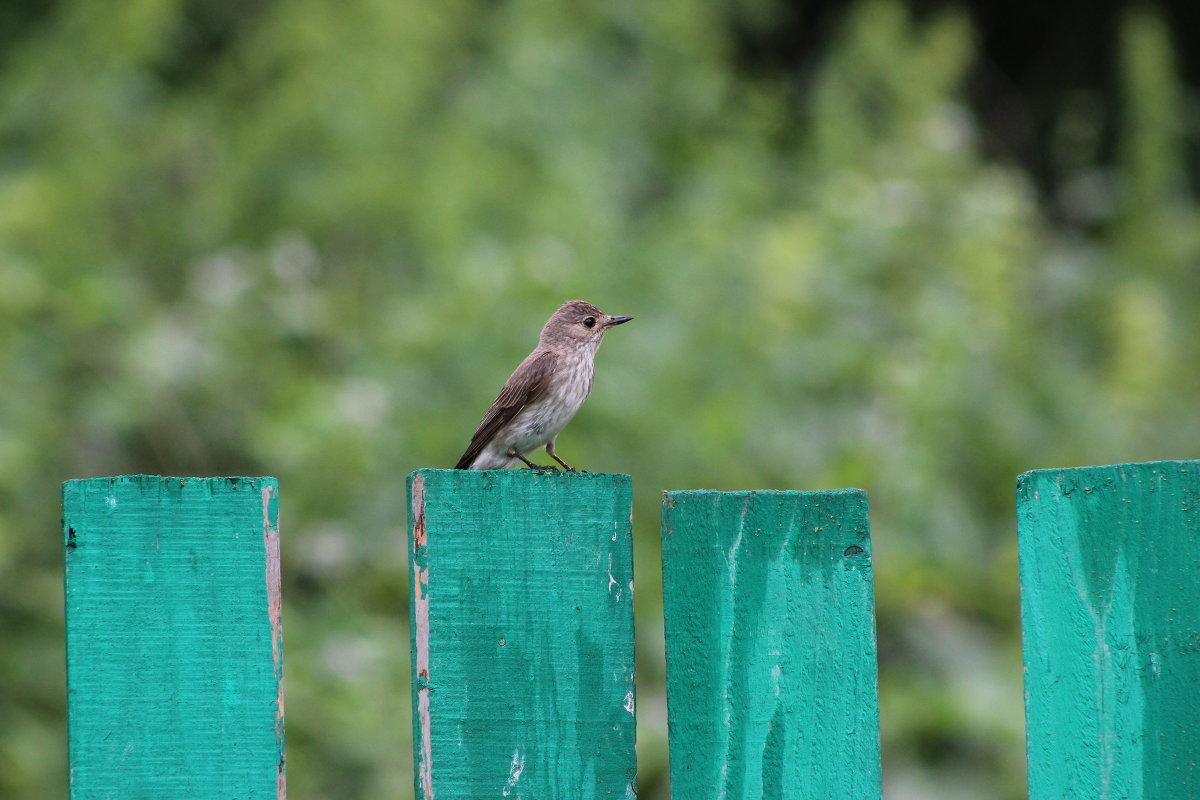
(524, 386)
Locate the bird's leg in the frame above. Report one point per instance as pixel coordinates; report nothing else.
(550, 452)
(512, 453)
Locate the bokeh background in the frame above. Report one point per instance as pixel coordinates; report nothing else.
(916, 248)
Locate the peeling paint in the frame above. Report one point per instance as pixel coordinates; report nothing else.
(514, 772)
(275, 612)
(418, 502)
(420, 589)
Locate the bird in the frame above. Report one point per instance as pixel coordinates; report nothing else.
(544, 391)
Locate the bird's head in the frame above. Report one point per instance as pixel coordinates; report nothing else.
(578, 323)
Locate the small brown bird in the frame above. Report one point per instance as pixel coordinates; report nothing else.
(544, 392)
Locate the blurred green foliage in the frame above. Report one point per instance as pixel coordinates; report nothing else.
(311, 239)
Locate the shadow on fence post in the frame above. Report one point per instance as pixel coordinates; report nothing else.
(771, 665)
(174, 660)
(1110, 615)
(522, 634)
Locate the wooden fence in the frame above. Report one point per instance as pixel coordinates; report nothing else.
(522, 637)
(174, 651)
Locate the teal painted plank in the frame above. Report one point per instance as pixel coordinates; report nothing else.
(522, 635)
(772, 687)
(1110, 612)
(174, 660)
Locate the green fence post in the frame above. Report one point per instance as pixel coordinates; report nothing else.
(174, 666)
(1110, 612)
(522, 635)
(771, 665)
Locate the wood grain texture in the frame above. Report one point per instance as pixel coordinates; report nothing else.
(174, 656)
(522, 635)
(771, 663)
(1110, 612)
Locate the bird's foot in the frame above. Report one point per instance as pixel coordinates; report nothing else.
(538, 467)
(564, 464)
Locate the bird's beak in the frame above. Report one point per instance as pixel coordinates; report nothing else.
(616, 321)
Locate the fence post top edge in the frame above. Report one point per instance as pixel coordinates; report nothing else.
(1165, 465)
(675, 494)
(261, 480)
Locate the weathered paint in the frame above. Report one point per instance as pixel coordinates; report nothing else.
(174, 656)
(772, 687)
(274, 578)
(419, 577)
(1110, 612)
(522, 635)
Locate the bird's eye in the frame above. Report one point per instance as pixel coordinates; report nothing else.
(590, 322)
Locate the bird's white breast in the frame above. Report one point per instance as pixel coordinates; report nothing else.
(539, 422)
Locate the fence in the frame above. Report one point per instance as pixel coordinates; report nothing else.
(522, 637)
